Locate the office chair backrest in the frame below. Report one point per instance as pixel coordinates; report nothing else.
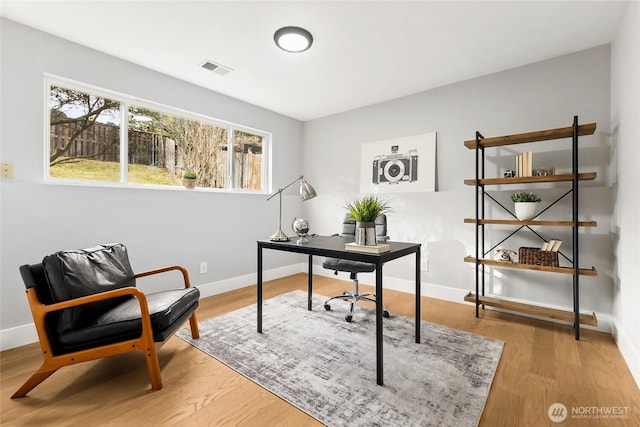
(349, 226)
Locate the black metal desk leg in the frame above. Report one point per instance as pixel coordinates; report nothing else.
(418, 286)
(379, 358)
(259, 288)
(310, 282)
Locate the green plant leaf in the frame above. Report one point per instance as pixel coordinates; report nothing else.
(525, 197)
(367, 209)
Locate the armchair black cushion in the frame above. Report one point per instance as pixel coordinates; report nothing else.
(78, 273)
(86, 306)
(123, 321)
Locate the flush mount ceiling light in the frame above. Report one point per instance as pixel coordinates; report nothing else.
(293, 39)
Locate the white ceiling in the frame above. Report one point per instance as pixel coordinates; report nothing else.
(364, 52)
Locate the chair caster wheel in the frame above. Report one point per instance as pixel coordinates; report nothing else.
(385, 314)
(327, 307)
(348, 318)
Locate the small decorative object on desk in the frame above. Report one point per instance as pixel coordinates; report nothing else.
(372, 249)
(301, 228)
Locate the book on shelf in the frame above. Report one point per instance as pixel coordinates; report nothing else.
(551, 245)
(524, 164)
(372, 249)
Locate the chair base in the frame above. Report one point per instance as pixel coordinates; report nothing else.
(353, 298)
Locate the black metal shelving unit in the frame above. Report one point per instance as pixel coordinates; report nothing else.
(479, 145)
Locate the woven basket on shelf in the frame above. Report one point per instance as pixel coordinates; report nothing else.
(534, 256)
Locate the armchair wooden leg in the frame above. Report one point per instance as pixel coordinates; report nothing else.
(40, 375)
(193, 322)
(153, 368)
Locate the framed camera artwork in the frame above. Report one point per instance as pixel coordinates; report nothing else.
(399, 165)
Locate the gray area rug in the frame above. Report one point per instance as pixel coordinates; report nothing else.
(326, 367)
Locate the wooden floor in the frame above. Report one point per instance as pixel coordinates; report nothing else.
(541, 364)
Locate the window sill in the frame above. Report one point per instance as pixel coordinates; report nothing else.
(134, 186)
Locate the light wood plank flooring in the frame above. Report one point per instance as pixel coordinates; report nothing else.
(541, 364)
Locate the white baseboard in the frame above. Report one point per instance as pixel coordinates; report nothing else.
(18, 336)
(454, 295)
(629, 352)
(221, 286)
(402, 285)
(26, 334)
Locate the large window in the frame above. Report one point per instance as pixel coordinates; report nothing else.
(108, 137)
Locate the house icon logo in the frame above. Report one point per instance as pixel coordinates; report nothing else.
(557, 412)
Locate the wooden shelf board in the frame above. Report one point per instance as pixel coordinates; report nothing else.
(564, 270)
(586, 176)
(531, 222)
(542, 135)
(552, 313)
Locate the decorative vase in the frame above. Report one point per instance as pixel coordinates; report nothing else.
(525, 210)
(368, 234)
(189, 183)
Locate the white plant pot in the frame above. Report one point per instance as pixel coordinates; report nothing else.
(526, 210)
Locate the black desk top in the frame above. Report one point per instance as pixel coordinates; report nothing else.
(333, 246)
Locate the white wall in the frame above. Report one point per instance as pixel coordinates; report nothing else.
(625, 112)
(538, 96)
(159, 227)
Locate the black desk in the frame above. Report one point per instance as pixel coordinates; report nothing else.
(333, 247)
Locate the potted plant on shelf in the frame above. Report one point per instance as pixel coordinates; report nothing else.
(525, 205)
(189, 179)
(365, 211)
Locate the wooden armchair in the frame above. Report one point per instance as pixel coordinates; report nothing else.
(85, 306)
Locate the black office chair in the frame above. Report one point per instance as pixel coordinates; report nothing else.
(355, 267)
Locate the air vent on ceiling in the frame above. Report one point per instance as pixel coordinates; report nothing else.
(216, 68)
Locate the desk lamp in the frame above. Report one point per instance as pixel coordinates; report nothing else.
(306, 192)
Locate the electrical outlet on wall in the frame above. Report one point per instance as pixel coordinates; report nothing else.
(203, 267)
(6, 170)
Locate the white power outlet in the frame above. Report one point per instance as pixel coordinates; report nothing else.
(203, 267)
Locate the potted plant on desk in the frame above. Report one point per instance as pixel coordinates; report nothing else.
(365, 211)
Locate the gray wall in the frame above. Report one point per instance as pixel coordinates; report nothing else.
(625, 111)
(38, 218)
(159, 227)
(538, 96)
